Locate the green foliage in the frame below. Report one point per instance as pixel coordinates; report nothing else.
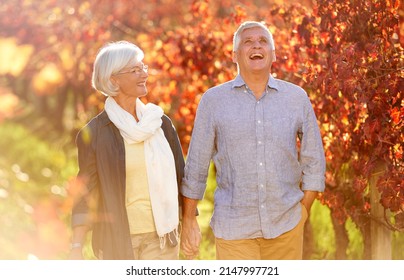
(43, 162)
(34, 208)
(323, 233)
(356, 247)
(398, 246)
(208, 249)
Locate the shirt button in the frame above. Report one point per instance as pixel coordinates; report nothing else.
(259, 142)
(260, 163)
(262, 206)
(259, 121)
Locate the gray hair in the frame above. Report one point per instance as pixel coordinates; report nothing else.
(112, 58)
(247, 25)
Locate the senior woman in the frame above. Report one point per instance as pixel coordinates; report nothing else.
(131, 162)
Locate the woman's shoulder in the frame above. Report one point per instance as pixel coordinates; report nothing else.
(89, 129)
(167, 123)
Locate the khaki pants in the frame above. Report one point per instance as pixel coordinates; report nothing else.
(288, 246)
(146, 246)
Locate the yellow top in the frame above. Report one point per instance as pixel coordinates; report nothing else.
(138, 203)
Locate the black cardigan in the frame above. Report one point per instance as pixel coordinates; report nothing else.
(101, 158)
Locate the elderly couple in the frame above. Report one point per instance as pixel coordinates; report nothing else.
(136, 183)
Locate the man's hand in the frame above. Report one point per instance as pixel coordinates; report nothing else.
(308, 199)
(190, 238)
(190, 234)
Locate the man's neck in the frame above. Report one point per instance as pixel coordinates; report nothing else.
(257, 83)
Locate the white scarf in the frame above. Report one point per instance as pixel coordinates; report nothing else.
(159, 158)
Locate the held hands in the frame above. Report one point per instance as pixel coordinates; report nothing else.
(190, 238)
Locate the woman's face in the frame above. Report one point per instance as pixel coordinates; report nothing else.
(132, 80)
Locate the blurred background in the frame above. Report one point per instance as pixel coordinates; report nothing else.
(347, 54)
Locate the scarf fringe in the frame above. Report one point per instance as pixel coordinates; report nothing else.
(173, 234)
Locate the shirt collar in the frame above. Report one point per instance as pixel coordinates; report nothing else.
(239, 82)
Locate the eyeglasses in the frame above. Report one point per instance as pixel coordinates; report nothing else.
(135, 70)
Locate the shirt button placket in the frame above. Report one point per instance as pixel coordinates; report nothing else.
(259, 116)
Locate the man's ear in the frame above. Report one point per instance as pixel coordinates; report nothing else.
(273, 56)
(234, 57)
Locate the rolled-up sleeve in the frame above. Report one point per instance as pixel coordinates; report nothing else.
(200, 151)
(312, 157)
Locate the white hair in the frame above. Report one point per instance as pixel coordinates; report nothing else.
(247, 25)
(112, 58)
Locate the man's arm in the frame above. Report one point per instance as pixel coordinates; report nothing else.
(312, 158)
(196, 171)
(190, 235)
(308, 199)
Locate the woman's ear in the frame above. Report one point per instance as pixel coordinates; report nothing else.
(114, 81)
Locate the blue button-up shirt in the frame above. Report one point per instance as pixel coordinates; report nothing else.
(260, 171)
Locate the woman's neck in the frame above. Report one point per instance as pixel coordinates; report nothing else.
(127, 103)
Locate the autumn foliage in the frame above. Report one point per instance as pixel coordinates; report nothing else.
(356, 74)
(347, 54)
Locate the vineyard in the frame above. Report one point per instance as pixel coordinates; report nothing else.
(347, 54)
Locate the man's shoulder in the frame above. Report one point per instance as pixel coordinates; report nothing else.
(289, 86)
(219, 90)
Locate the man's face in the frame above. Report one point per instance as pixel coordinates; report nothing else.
(254, 53)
